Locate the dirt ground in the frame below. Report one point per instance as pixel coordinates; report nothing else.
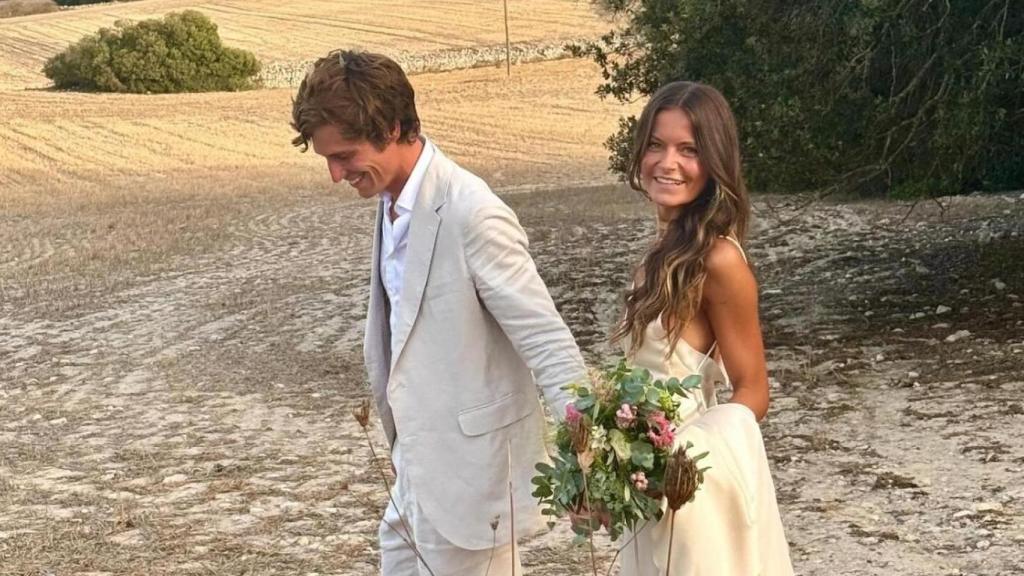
(193, 416)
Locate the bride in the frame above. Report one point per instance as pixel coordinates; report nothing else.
(693, 310)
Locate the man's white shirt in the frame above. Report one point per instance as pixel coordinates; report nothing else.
(395, 235)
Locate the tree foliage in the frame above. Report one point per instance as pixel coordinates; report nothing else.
(180, 53)
(83, 2)
(900, 97)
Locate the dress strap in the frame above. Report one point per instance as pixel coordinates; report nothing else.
(737, 243)
(707, 355)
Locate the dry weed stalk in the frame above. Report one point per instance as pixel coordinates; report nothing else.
(362, 416)
(511, 506)
(494, 543)
(508, 44)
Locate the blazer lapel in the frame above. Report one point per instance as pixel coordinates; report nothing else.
(422, 234)
(378, 334)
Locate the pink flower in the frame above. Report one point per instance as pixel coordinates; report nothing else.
(639, 479)
(663, 439)
(572, 415)
(657, 419)
(660, 432)
(625, 416)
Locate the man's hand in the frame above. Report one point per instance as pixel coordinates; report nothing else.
(587, 520)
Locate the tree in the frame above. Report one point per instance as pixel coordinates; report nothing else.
(898, 97)
(180, 53)
(84, 2)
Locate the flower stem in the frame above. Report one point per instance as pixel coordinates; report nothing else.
(590, 526)
(636, 553)
(671, 536)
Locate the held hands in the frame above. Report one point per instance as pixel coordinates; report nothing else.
(585, 520)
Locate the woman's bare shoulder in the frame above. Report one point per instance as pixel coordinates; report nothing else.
(728, 274)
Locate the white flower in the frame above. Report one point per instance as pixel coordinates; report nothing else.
(599, 439)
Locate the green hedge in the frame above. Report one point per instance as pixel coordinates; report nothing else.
(881, 97)
(180, 53)
(83, 2)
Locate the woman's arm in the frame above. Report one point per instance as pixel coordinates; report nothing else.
(730, 304)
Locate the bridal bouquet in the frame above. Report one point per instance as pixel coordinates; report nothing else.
(614, 452)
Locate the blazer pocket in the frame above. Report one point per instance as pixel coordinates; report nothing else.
(446, 287)
(493, 415)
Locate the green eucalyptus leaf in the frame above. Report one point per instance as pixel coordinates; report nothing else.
(642, 454)
(692, 381)
(620, 444)
(585, 403)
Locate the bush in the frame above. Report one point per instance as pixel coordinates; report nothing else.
(12, 8)
(83, 2)
(181, 53)
(898, 97)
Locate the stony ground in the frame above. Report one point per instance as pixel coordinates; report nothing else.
(196, 420)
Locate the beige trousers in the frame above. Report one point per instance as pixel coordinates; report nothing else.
(397, 558)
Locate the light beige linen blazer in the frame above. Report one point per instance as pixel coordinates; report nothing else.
(477, 334)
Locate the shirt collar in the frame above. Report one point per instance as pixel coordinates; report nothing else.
(407, 198)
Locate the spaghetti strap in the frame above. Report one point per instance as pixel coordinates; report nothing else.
(737, 243)
(707, 355)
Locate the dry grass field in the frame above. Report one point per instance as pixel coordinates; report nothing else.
(182, 296)
(428, 33)
(96, 182)
(53, 139)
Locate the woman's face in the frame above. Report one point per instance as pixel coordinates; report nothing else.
(670, 170)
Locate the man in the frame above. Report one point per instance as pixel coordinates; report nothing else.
(460, 326)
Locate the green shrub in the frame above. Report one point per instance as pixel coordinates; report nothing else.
(180, 53)
(83, 2)
(12, 8)
(898, 97)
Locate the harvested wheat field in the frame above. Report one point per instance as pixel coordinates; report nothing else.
(145, 168)
(427, 35)
(182, 296)
(543, 120)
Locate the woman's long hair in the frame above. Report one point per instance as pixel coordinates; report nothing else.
(671, 274)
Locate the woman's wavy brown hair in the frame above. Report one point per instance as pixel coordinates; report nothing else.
(672, 272)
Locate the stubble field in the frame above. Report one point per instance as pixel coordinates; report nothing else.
(181, 307)
(430, 34)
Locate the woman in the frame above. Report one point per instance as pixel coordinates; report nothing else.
(693, 309)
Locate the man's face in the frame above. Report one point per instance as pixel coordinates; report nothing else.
(369, 170)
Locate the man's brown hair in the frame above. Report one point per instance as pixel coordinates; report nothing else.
(364, 95)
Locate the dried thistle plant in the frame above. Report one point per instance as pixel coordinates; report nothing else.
(362, 416)
(682, 478)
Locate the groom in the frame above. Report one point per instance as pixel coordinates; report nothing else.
(459, 329)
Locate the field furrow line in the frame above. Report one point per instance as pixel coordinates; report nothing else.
(30, 145)
(74, 157)
(117, 150)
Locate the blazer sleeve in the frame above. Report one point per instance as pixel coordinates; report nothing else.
(513, 292)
